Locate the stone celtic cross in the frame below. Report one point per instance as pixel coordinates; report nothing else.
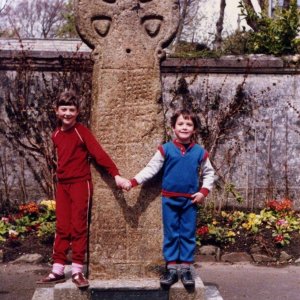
(127, 38)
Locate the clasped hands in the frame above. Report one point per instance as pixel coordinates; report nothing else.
(123, 183)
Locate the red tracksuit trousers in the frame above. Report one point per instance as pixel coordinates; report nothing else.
(72, 206)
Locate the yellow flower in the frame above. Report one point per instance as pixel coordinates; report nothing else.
(50, 204)
(252, 216)
(230, 233)
(247, 226)
(224, 214)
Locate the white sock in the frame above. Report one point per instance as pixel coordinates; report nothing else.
(58, 269)
(76, 268)
(185, 266)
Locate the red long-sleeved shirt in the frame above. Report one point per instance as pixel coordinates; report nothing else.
(73, 147)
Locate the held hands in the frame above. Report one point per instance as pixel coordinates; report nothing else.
(198, 198)
(123, 183)
(127, 187)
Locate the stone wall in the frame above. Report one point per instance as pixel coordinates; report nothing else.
(249, 110)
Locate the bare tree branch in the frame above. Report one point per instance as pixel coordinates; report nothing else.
(286, 3)
(264, 4)
(251, 16)
(36, 18)
(3, 5)
(187, 14)
(219, 25)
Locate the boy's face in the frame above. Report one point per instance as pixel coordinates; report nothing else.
(68, 115)
(184, 129)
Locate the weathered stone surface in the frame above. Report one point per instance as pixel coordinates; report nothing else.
(177, 292)
(284, 257)
(297, 261)
(236, 257)
(43, 294)
(208, 250)
(209, 253)
(68, 291)
(212, 293)
(258, 257)
(29, 258)
(255, 249)
(113, 289)
(127, 38)
(205, 258)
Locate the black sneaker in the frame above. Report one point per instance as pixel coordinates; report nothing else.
(187, 278)
(169, 278)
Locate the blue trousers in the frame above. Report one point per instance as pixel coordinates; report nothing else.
(179, 223)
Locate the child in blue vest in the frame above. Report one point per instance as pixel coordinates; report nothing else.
(182, 161)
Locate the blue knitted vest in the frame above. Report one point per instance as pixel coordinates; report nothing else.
(181, 171)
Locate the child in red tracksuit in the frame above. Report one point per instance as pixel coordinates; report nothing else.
(74, 143)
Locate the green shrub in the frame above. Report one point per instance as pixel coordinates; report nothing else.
(46, 232)
(236, 44)
(194, 50)
(276, 35)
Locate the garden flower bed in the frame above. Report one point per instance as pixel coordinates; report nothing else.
(270, 231)
(29, 229)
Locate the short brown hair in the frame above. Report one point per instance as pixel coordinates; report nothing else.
(187, 114)
(67, 98)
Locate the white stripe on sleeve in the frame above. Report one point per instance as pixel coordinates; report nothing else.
(208, 174)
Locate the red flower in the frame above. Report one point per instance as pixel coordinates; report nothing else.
(272, 204)
(283, 205)
(202, 230)
(279, 238)
(18, 216)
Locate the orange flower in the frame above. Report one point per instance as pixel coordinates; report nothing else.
(283, 205)
(30, 208)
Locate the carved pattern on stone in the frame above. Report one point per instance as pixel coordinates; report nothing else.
(101, 25)
(100, 21)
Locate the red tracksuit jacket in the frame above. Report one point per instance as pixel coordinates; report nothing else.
(73, 147)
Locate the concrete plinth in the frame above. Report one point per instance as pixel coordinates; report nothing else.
(143, 289)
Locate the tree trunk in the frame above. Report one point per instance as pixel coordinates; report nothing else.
(219, 25)
(286, 3)
(250, 21)
(264, 5)
(185, 4)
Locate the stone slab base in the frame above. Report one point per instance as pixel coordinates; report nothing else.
(43, 294)
(127, 289)
(144, 289)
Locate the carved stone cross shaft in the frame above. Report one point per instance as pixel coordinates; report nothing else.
(127, 38)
